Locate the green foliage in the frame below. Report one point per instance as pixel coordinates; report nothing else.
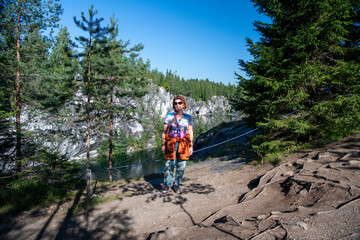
(59, 85)
(6, 134)
(120, 145)
(24, 50)
(200, 127)
(140, 143)
(156, 124)
(49, 161)
(338, 117)
(307, 60)
(194, 88)
(96, 36)
(51, 179)
(21, 25)
(117, 74)
(269, 149)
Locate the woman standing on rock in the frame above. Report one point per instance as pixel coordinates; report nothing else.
(177, 144)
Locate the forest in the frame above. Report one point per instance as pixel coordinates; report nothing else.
(307, 62)
(198, 89)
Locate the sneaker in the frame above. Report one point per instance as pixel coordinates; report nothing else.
(177, 189)
(163, 192)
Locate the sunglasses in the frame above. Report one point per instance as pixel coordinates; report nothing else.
(176, 103)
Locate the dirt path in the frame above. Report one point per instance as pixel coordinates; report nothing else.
(314, 194)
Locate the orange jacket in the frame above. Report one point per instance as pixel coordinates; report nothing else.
(183, 149)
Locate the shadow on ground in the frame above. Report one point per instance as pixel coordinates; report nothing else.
(112, 224)
(178, 199)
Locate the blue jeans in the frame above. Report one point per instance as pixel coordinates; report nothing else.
(169, 169)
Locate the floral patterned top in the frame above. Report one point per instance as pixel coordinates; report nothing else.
(178, 128)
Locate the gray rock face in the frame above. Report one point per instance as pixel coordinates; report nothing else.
(67, 132)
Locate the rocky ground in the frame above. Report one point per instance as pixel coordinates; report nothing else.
(313, 194)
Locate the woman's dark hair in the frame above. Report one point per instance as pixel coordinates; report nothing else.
(182, 99)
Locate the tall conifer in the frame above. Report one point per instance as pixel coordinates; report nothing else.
(21, 20)
(59, 85)
(121, 74)
(96, 33)
(303, 61)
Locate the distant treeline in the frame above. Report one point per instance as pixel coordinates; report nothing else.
(194, 88)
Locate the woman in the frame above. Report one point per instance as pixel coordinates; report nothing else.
(177, 144)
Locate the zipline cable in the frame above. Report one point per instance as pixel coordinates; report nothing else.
(205, 148)
(158, 160)
(244, 134)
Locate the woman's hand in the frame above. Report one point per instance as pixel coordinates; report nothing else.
(163, 138)
(191, 132)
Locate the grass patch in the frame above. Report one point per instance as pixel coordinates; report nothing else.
(100, 200)
(23, 193)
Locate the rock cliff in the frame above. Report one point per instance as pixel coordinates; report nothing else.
(66, 132)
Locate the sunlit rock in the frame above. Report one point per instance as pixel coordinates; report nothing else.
(66, 131)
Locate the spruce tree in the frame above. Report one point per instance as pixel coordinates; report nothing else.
(35, 74)
(303, 61)
(59, 85)
(6, 136)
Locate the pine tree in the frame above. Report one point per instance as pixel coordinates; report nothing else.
(22, 20)
(121, 75)
(96, 33)
(302, 63)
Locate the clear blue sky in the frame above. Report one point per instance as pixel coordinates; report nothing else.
(194, 38)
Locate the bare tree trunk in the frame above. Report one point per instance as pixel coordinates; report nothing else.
(111, 134)
(18, 97)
